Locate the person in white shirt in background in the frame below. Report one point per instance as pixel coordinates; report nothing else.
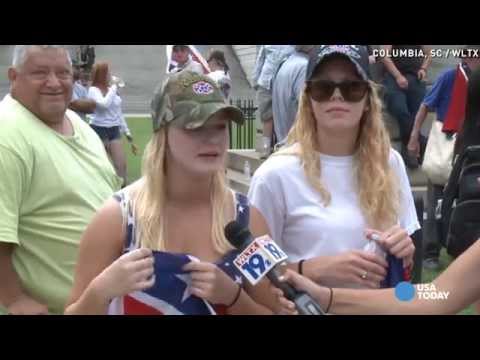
(338, 184)
(220, 72)
(108, 120)
(81, 104)
(182, 60)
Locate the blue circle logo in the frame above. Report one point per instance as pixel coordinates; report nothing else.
(405, 291)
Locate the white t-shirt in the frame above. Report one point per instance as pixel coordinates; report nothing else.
(298, 221)
(108, 112)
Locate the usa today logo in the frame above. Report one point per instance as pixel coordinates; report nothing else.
(405, 291)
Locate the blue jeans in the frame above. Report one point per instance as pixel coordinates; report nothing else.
(403, 104)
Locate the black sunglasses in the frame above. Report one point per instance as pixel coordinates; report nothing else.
(351, 90)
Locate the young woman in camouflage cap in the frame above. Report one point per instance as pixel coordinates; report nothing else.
(180, 206)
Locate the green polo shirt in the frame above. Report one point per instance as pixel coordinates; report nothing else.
(50, 188)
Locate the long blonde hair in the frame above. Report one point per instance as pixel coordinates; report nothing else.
(378, 189)
(150, 200)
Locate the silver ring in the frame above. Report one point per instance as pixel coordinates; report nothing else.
(364, 275)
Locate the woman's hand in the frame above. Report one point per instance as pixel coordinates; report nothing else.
(396, 241)
(351, 267)
(210, 283)
(301, 283)
(134, 149)
(129, 273)
(414, 145)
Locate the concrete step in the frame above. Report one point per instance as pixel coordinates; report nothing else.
(258, 142)
(237, 159)
(417, 177)
(238, 181)
(392, 125)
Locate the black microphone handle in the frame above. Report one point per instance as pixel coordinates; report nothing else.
(304, 303)
(289, 291)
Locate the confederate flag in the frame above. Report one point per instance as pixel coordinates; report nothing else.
(171, 294)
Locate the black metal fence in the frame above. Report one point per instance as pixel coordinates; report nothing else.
(243, 137)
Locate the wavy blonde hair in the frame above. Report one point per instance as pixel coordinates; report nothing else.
(150, 199)
(378, 189)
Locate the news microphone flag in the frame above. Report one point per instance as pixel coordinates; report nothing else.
(256, 261)
(259, 259)
(171, 293)
(455, 117)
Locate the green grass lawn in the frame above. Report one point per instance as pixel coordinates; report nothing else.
(141, 129)
(142, 132)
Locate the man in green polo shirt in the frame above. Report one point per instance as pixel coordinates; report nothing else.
(54, 176)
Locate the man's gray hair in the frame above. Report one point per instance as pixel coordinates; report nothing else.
(20, 53)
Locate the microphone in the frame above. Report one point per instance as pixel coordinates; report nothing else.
(261, 258)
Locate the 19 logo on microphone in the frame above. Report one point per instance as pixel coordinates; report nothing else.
(258, 259)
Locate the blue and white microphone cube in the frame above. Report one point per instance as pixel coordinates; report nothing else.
(258, 259)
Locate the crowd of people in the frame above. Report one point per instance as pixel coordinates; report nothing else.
(76, 238)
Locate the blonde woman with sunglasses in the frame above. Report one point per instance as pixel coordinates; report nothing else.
(338, 185)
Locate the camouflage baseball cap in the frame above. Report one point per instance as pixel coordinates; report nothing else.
(188, 100)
